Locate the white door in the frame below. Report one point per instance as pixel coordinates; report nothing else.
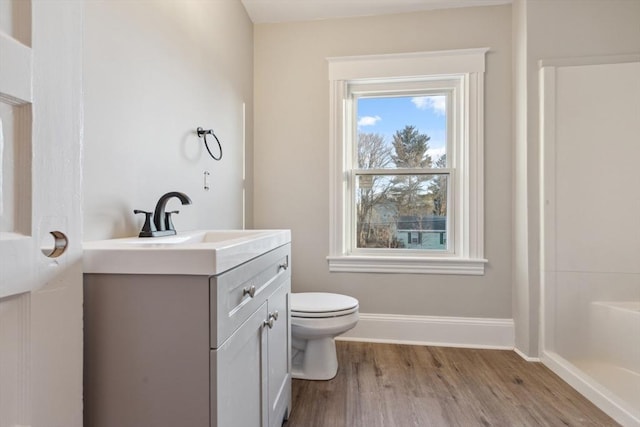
(40, 221)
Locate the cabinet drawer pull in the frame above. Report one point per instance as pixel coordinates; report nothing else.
(284, 265)
(249, 290)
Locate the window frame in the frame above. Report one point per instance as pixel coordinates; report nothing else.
(411, 73)
(449, 87)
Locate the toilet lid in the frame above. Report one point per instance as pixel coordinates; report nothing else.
(321, 304)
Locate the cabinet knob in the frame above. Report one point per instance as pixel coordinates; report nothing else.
(269, 322)
(249, 290)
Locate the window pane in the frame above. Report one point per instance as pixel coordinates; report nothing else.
(401, 211)
(402, 132)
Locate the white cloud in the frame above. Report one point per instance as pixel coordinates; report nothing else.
(368, 120)
(436, 153)
(436, 103)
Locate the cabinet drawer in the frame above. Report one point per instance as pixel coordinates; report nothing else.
(236, 294)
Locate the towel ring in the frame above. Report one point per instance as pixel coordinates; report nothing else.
(203, 134)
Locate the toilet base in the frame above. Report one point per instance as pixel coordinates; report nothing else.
(316, 361)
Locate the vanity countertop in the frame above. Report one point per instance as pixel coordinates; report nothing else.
(199, 252)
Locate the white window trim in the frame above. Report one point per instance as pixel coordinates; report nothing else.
(467, 64)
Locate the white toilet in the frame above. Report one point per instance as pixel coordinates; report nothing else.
(316, 319)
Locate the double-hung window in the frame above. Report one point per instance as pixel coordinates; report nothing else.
(406, 163)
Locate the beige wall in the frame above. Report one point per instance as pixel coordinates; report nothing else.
(552, 29)
(292, 152)
(154, 71)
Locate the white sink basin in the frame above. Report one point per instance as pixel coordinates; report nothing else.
(201, 252)
(211, 236)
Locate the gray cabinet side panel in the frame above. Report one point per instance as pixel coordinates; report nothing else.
(146, 350)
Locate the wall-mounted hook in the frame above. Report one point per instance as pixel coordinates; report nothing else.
(206, 180)
(202, 133)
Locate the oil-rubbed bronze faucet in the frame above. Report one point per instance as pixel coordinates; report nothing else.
(159, 222)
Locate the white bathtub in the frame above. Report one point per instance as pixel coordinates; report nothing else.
(615, 334)
(613, 356)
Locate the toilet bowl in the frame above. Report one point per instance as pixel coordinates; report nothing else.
(316, 319)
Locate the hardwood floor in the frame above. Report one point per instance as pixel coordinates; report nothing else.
(384, 385)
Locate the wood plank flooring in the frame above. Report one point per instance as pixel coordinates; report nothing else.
(384, 385)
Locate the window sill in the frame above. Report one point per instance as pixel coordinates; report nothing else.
(409, 265)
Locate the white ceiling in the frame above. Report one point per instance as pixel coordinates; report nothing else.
(272, 11)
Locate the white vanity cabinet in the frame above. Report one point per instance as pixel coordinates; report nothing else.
(180, 350)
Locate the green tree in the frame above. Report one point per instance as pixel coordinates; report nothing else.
(411, 148)
(438, 189)
(410, 151)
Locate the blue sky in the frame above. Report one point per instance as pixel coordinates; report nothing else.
(387, 115)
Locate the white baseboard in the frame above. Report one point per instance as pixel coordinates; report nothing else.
(434, 330)
(525, 357)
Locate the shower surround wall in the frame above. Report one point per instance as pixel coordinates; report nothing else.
(155, 71)
(591, 274)
(546, 29)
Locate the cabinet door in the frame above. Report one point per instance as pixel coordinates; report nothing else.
(279, 357)
(237, 371)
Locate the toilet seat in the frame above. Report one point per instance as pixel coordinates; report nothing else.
(322, 305)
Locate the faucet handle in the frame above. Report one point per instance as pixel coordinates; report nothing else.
(149, 227)
(168, 223)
